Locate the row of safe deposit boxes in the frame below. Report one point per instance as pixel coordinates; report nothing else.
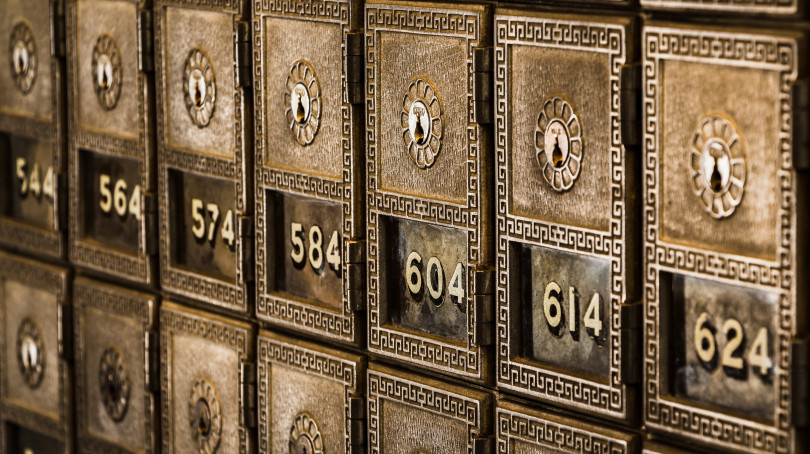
(578, 231)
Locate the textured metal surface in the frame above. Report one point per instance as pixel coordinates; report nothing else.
(721, 292)
(111, 146)
(32, 127)
(406, 43)
(309, 169)
(115, 328)
(35, 295)
(305, 397)
(203, 156)
(577, 197)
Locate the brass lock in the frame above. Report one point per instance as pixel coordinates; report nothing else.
(422, 123)
(204, 416)
(302, 101)
(106, 70)
(114, 383)
(30, 354)
(23, 53)
(199, 85)
(305, 436)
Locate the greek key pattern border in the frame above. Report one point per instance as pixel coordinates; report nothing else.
(107, 298)
(230, 295)
(383, 386)
(312, 362)
(316, 10)
(464, 360)
(172, 322)
(530, 377)
(547, 433)
(661, 412)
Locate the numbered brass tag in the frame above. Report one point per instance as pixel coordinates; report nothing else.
(316, 394)
(310, 198)
(204, 160)
(204, 372)
(721, 239)
(35, 380)
(111, 151)
(32, 130)
(429, 232)
(114, 339)
(566, 213)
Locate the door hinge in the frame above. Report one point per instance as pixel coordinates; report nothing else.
(630, 104)
(57, 14)
(61, 185)
(244, 55)
(800, 382)
(483, 445)
(800, 122)
(152, 361)
(65, 334)
(483, 294)
(482, 85)
(150, 223)
(146, 54)
(245, 226)
(355, 67)
(248, 383)
(630, 337)
(357, 421)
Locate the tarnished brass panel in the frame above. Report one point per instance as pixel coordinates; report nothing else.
(113, 217)
(205, 173)
(412, 414)
(566, 209)
(525, 430)
(429, 189)
(756, 8)
(722, 202)
(310, 398)
(308, 88)
(205, 372)
(32, 128)
(115, 332)
(35, 377)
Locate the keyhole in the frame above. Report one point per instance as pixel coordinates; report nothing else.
(20, 63)
(419, 132)
(104, 81)
(198, 99)
(716, 180)
(204, 418)
(300, 113)
(556, 153)
(112, 388)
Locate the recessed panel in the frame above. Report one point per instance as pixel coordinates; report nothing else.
(29, 178)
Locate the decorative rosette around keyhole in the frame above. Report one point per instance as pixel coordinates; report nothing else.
(717, 162)
(305, 436)
(302, 102)
(106, 70)
(199, 87)
(422, 123)
(30, 352)
(23, 57)
(205, 416)
(113, 379)
(558, 143)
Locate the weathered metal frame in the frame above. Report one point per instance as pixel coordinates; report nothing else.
(275, 307)
(662, 411)
(782, 8)
(140, 267)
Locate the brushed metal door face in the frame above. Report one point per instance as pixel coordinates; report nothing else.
(115, 341)
(32, 129)
(721, 236)
(524, 430)
(202, 367)
(565, 209)
(204, 159)
(407, 413)
(35, 380)
(428, 175)
(310, 204)
(112, 161)
(310, 398)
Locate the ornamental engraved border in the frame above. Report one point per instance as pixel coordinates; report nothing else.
(103, 296)
(513, 373)
(769, 53)
(382, 385)
(88, 253)
(274, 306)
(187, 283)
(467, 359)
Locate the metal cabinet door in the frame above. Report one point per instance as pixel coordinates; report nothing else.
(568, 287)
(411, 413)
(310, 398)
(32, 128)
(206, 382)
(722, 201)
(429, 173)
(310, 204)
(115, 332)
(36, 400)
(204, 154)
(111, 145)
